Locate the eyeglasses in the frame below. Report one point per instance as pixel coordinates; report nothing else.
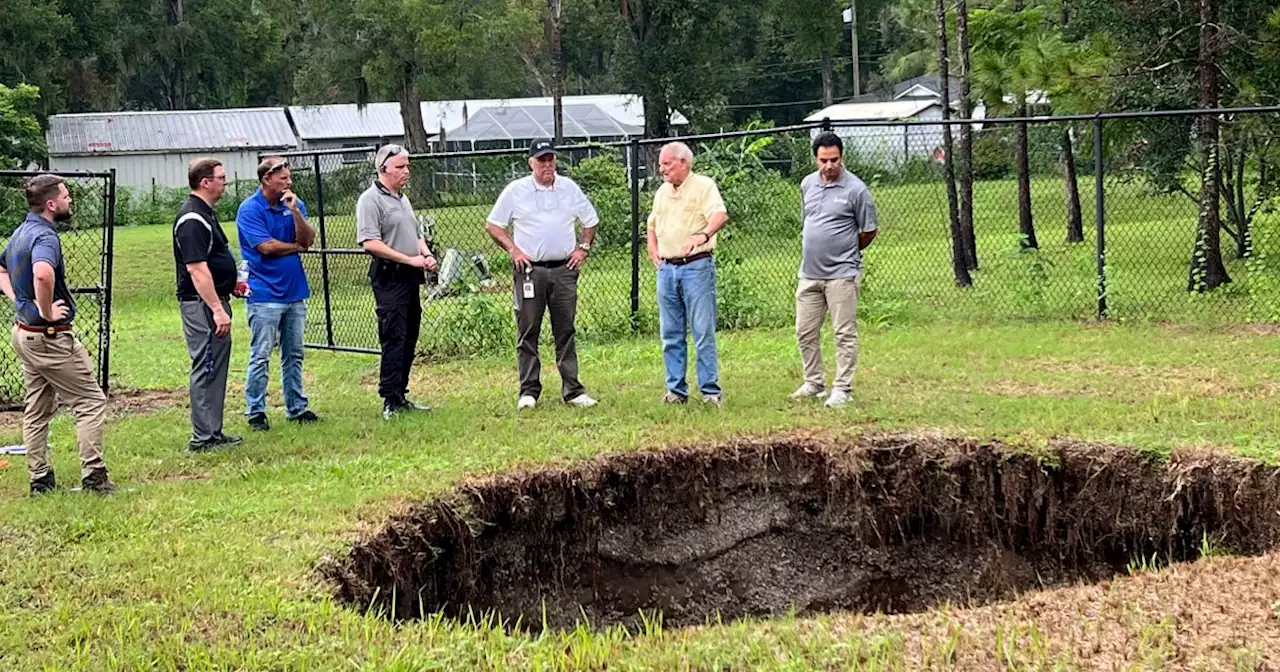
(392, 150)
(274, 168)
(218, 178)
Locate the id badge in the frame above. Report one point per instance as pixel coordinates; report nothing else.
(528, 289)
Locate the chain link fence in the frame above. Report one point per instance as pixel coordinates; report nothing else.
(1125, 243)
(87, 241)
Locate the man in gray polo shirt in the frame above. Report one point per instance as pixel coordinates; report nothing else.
(387, 228)
(839, 222)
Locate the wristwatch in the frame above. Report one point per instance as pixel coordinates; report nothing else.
(584, 247)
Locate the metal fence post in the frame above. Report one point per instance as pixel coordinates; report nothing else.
(1100, 217)
(104, 322)
(324, 256)
(635, 233)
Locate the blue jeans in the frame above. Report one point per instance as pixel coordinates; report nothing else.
(687, 299)
(269, 324)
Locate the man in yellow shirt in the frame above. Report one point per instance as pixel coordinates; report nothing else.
(687, 213)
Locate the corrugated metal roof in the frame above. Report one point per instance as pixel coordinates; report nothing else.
(331, 122)
(897, 109)
(187, 130)
(527, 122)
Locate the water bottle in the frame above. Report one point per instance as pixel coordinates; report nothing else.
(242, 280)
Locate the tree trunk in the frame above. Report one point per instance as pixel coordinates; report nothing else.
(966, 139)
(828, 79)
(415, 135)
(1025, 226)
(1075, 224)
(657, 119)
(177, 69)
(1207, 271)
(959, 261)
(557, 68)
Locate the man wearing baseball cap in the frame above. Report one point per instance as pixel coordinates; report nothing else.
(533, 220)
(387, 228)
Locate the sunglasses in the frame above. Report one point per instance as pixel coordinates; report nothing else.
(392, 151)
(279, 166)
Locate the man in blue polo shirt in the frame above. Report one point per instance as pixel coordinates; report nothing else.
(273, 229)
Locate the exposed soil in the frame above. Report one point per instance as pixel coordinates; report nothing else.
(120, 402)
(892, 523)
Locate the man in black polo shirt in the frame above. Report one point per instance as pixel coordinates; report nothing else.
(206, 278)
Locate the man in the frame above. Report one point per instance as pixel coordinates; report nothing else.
(273, 229)
(54, 362)
(687, 214)
(206, 274)
(387, 228)
(839, 222)
(541, 209)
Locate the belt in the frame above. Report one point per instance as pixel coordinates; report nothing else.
(47, 331)
(550, 264)
(681, 261)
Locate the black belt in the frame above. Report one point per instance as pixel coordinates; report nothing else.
(550, 264)
(681, 261)
(49, 330)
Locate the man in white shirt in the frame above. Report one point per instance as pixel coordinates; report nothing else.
(533, 221)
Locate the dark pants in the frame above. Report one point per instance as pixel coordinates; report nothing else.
(399, 309)
(210, 360)
(555, 288)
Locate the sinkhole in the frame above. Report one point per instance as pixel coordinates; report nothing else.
(892, 523)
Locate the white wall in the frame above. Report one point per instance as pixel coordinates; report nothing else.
(136, 171)
(890, 146)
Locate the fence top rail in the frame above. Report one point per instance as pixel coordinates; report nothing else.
(806, 126)
(59, 173)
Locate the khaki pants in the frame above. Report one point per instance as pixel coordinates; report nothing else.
(59, 366)
(814, 298)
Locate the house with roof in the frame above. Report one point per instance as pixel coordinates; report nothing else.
(154, 148)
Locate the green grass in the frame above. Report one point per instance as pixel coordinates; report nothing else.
(206, 562)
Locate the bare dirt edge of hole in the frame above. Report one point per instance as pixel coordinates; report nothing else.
(893, 523)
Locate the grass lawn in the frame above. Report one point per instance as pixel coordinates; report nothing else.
(207, 562)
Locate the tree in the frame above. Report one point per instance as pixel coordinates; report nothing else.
(21, 141)
(554, 19)
(966, 137)
(959, 255)
(1207, 271)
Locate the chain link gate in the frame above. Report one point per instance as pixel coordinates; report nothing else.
(87, 249)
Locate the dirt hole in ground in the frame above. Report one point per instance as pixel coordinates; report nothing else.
(891, 523)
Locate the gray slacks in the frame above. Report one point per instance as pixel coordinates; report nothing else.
(210, 360)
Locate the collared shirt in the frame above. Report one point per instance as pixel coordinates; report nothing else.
(543, 216)
(35, 240)
(835, 215)
(272, 278)
(681, 212)
(197, 236)
(383, 215)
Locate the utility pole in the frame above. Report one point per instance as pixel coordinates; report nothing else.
(853, 32)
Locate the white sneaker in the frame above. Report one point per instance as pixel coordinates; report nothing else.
(582, 401)
(809, 390)
(527, 401)
(713, 399)
(838, 398)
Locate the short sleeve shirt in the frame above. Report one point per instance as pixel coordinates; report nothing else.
(835, 215)
(543, 216)
(197, 236)
(35, 240)
(681, 212)
(272, 278)
(383, 215)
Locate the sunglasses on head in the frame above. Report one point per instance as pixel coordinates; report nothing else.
(276, 167)
(392, 150)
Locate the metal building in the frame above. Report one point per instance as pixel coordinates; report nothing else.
(154, 148)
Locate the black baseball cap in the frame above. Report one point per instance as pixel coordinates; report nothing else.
(541, 147)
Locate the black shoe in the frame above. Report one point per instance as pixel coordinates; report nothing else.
(221, 439)
(404, 404)
(43, 485)
(389, 408)
(205, 446)
(258, 422)
(305, 417)
(98, 482)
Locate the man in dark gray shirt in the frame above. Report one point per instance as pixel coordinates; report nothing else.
(839, 222)
(387, 228)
